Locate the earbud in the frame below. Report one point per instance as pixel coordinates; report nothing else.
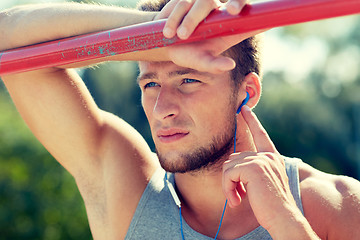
(243, 102)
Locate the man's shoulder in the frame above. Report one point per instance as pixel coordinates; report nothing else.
(331, 202)
(319, 183)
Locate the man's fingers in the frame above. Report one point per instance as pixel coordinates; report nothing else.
(261, 139)
(167, 10)
(212, 64)
(234, 7)
(233, 188)
(176, 16)
(232, 184)
(220, 64)
(190, 56)
(231, 193)
(186, 16)
(198, 12)
(234, 157)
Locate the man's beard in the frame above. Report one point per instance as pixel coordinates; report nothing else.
(205, 157)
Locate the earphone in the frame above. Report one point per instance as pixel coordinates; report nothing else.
(243, 102)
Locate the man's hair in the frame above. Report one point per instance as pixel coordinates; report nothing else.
(245, 54)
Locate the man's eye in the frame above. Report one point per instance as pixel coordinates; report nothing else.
(150, 84)
(190, 80)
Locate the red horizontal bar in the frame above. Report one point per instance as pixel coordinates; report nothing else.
(149, 35)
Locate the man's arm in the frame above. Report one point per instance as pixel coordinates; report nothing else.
(331, 203)
(55, 98)
(30, 24)
(109, 160)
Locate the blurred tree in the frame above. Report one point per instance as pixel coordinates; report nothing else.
(315, 117)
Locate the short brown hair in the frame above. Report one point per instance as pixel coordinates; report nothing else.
(245, 54)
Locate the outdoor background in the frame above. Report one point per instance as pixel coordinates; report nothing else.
(310, 108)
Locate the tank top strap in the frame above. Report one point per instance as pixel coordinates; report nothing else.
(292, 171)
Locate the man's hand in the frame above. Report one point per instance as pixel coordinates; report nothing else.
(261, 177)
(183, 16)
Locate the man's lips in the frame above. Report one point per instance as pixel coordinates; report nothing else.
(171, 134)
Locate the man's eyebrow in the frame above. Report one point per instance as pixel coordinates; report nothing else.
(186, 71)
(149, 75)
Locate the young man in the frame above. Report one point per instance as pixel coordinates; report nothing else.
(192, 115)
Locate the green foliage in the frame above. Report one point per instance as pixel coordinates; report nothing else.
(38, 198)
(304, 123)
(317, 118)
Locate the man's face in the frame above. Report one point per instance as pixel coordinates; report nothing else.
(191, 114)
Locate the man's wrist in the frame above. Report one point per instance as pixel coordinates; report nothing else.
(292, 226)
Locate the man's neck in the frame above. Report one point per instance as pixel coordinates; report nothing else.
(202, 199)
(202, 202)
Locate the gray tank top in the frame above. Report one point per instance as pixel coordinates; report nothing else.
(157, 216)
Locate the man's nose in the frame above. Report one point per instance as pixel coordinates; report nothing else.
(167, 104)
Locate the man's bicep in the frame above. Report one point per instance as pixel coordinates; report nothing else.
(332, 204)
(348, 220)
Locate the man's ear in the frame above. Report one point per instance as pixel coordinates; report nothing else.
(252, 85)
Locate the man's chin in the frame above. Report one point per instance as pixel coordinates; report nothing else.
(211, 167)
(208, 157)
(202, 159)
(173, 165)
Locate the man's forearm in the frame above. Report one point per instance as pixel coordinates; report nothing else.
(292, 225)
(26, 25)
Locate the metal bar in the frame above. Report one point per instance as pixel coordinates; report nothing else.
(149, 35)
